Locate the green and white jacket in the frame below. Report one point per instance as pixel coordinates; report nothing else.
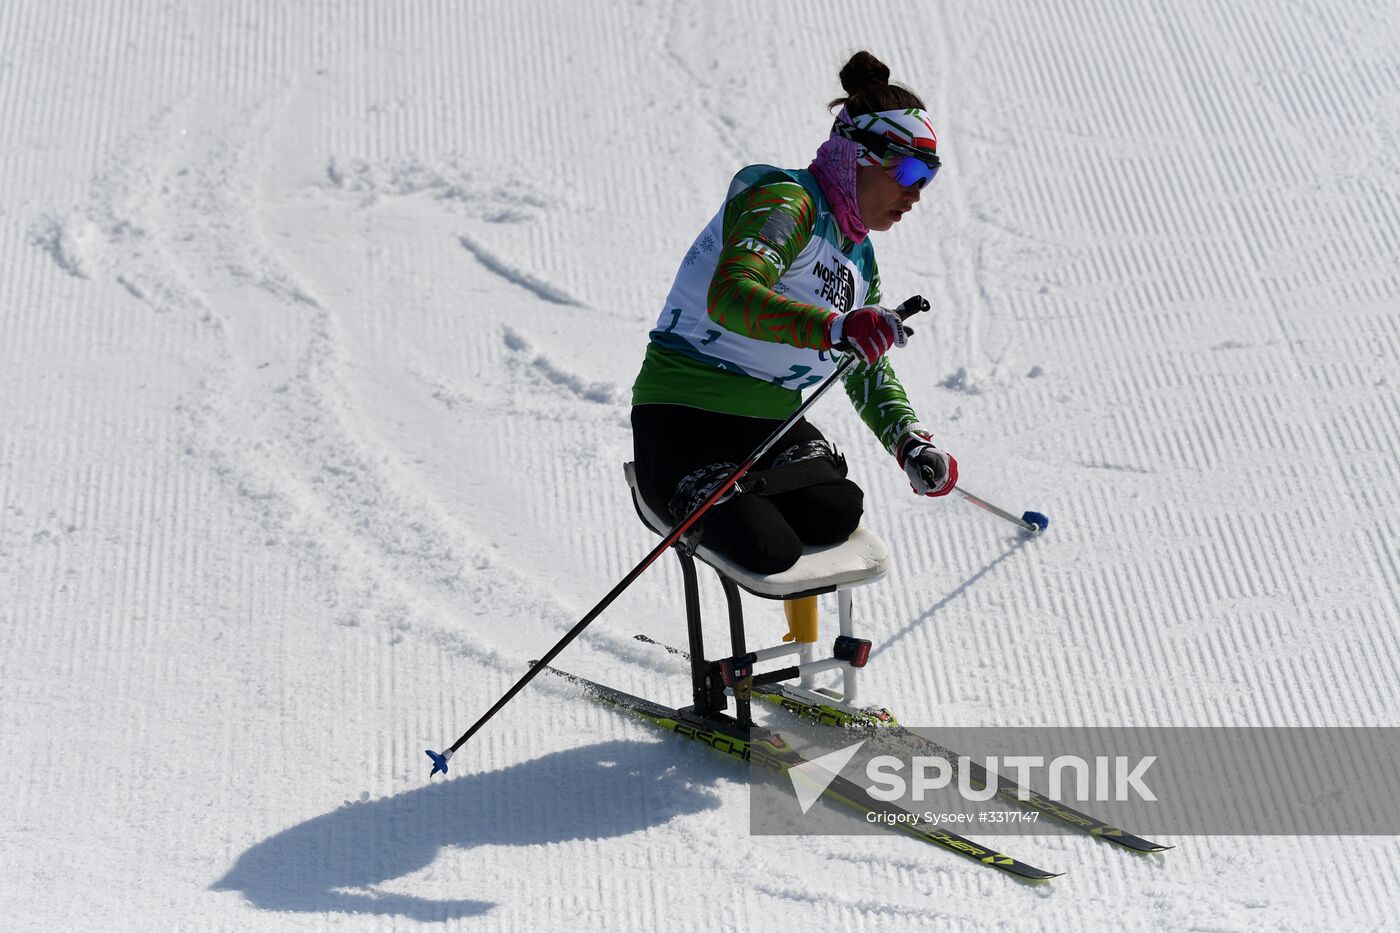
(744, 328)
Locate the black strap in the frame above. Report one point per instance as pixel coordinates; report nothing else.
(789, 477)
(809, 463)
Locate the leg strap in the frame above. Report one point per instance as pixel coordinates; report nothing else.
(809, 463)
(696, 486)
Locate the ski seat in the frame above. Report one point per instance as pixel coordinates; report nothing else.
(862, 558)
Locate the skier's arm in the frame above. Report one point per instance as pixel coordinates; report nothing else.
(877, 394)
(878, 397)
(765, 228)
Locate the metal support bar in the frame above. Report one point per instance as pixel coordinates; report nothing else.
(798, 670)
(848, 676)
(809, 654)
(829, 664)
(777, 651)
(773, 677)
(707, 689)
(736, 639)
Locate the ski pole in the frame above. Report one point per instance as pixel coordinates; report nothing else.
(908, 309)
(1030, 522)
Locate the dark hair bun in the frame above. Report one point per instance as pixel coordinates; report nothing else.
(864, 73)
(868, 88)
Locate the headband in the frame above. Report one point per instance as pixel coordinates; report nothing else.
(908, 127)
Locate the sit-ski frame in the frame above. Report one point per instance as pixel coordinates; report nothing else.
(707, 676)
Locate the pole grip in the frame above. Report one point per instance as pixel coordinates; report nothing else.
(911, 307)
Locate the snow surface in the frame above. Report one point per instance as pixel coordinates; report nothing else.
(317, 328)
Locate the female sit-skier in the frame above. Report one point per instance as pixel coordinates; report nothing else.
(781, 280)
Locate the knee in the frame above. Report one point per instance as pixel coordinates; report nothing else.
(770, 555)
(837, 512)
(752, 533)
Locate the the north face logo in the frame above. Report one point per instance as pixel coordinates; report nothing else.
(838, 286)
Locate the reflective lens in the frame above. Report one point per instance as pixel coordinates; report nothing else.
(912, 170)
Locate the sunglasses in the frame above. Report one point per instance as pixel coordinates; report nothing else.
(908, 165)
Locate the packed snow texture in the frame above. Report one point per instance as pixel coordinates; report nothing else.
(317, 328)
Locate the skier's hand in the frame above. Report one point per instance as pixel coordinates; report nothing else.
(868, 332)
(931, 471)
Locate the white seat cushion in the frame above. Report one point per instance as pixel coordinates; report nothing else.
(861, 558)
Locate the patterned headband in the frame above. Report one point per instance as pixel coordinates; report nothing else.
(910, 127)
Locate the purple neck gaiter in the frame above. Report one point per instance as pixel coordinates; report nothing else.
(835, 168)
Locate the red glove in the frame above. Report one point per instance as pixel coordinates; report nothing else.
(931, 472)
(867, 332)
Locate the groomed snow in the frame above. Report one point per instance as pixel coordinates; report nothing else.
(317, 329)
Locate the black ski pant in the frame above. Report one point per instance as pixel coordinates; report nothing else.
(763, 533)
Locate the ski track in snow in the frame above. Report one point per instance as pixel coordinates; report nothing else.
(519, 277)
(316, 338)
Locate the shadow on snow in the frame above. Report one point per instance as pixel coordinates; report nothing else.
(332, 862)
(1015, 545)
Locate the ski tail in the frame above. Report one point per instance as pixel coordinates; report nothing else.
(769, 749)
(831, 714)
